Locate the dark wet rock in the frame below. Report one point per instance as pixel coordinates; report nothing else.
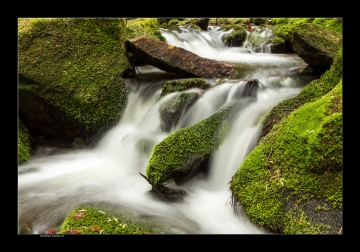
(171, 111)
(176, 59)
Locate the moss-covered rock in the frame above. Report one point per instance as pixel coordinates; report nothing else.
(89, 220)
(184, 150)
(24, 147)
(292, 181)
(76, 65)
(312, 91)
(144, 27)
(236, 37)
(182, 85)
(316, 45)
(171, 110)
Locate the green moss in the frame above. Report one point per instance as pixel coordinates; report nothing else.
(284, 27)
(24, 146)
(334, 24)
(302, 154)
(174, 22)
(236, 37)
(185, 144)
(94, 221)
(182, 85)
(239, 21)
(310, 92)
(76, 65)
(144, 27)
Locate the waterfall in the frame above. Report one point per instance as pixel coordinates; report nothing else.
(50, 186)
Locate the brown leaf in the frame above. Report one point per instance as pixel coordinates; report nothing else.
(78, 215)
(51, 231)
(95, 228)
(73, 231)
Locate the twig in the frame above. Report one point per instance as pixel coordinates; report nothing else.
(157, 190)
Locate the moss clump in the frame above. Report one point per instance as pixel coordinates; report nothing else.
(144, 27)
(301, 159)
(186, 145)
(236, 37)
(182, 85)
(174, 22)
(311, 92)
(76, 66)
(24, 146)
(86, 220)
(284, 27)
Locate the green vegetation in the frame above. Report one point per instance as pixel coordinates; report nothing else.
(76, 65)
(182, 85)
(236, 37)
(310, 92)
(144, 27)
(284, 27)
(24, 147)
(184, 145)
(86, 220)
(298, 160)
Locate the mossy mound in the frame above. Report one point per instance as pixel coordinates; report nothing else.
(87, 220)
(76, 66)
(24, 147)
(297, 165)
(236, 37)
(182, 85)
(186, 148)
(144, 27)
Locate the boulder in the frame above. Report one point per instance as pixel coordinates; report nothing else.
(71, 76)
(181, 155)
(175, 59)
(316, 45)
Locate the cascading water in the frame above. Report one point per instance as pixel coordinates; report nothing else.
(49, 187)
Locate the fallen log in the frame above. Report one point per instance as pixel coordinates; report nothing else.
(175, 59)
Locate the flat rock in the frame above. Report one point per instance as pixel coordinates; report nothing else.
(175, 59)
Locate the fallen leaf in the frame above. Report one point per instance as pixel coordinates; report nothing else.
(94, 228)
(51, 231)
(73, 231)
(78, 215)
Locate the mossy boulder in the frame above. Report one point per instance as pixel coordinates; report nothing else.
(24, 146)
(195, 23)
(75, 68)
(181, 153)
(292, 181)
(312, 91)
(236, 37)
(144, 27)
(90, 220)
(182, 85)
(316, 45)
(171, 110)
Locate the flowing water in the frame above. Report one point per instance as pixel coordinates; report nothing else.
(107, 175)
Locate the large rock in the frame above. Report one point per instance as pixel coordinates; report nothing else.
(316, 45)
(181, 154)
(176, 59)
(295, 172)
(70, 75)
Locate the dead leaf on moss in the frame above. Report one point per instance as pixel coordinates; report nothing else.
(95, 228)
(73, 231)
(78, 215)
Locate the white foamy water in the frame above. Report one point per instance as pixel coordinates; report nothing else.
(49, 187)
